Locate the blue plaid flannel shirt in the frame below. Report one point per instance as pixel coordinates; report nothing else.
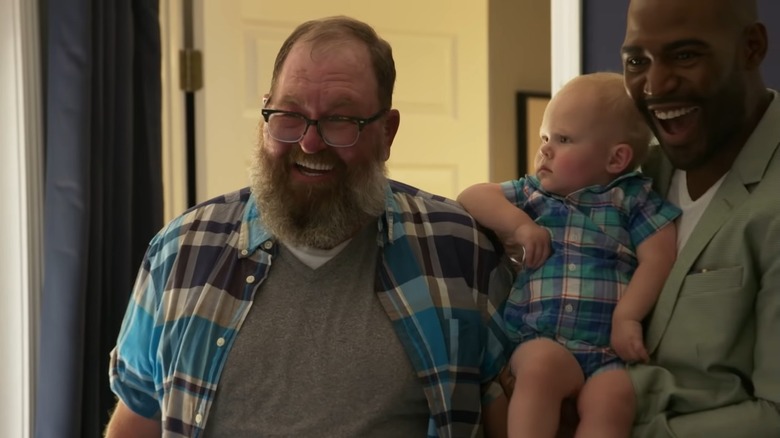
(202, 271)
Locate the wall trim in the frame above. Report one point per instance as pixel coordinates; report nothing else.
(174, 150)
(565, 41)
(21, 189)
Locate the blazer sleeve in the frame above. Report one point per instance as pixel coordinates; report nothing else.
(756, 419)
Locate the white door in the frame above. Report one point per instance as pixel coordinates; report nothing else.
(440, 48)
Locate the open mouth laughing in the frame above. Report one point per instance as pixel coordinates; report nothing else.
(676, 124)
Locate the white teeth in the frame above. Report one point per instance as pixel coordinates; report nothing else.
(321, 167)
(666, 115)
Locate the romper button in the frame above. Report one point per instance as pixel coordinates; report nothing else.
(198, 419)
(572, 266)
(220, 342)
(568, 308)
(250, 279)
(268, 244)
(244, 252)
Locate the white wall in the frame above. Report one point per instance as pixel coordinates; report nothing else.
(20, 222)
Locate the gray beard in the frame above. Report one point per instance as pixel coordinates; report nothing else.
(316, 216)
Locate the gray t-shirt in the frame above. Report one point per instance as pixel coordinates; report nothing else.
(318, 356)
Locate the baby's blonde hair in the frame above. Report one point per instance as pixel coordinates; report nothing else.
(616, 104)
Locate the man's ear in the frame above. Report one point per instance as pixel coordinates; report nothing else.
(755, 45)
(620, 157)
(392, 121)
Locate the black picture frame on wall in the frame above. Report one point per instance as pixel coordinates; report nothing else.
(530, 106)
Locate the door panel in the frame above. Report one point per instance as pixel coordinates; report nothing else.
(441, 87)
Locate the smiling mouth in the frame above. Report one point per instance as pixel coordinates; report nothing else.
(313, 169)
(676, 121)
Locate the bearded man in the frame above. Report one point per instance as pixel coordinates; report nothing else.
(325, 300)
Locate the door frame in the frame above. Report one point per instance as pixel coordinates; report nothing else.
(174, 137)
(21, 232)
(565, 41)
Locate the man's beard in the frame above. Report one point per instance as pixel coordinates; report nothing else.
(317, 215)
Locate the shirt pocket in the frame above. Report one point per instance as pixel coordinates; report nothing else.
(709, 316)
(706, 282)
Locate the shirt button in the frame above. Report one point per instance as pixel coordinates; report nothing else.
(268, 244)
(572, 267)
(244, 252)
(250, 279)
(198, 419)
(568, 308)
(220, 342)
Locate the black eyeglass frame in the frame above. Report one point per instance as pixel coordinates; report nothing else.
(361, 123)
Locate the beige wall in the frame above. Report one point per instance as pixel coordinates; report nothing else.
(519, 60)
(460, 64)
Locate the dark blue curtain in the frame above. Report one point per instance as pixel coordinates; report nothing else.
(103, 199)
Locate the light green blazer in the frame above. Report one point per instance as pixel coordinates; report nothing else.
(714, 335)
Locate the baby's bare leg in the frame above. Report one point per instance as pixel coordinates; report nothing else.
(545, 373)
(606, 406)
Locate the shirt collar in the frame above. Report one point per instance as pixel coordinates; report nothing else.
(253, 233)
(594, 189)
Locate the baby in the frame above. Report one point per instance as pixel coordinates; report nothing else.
(595, 245)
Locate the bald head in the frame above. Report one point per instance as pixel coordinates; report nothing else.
(740, 12)
(734, 14)
(604, 94)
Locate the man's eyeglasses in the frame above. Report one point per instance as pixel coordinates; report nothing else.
(336, 131)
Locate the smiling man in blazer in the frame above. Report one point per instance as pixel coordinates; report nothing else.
(692, 67)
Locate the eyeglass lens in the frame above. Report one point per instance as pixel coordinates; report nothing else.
(292, 127)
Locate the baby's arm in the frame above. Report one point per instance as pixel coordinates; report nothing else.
(487, 203)
(656, 256)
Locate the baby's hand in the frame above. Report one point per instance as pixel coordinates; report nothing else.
(627, 341)
(532, 239)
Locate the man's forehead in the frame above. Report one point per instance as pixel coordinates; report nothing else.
(332, 46)
(670, 24)
(340, 79)
(318, 58)
(654, 15)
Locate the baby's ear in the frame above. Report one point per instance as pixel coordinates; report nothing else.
(620, 157)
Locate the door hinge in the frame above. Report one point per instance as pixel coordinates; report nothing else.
(190, 70)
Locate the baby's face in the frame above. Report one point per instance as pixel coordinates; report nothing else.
(574, 152)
